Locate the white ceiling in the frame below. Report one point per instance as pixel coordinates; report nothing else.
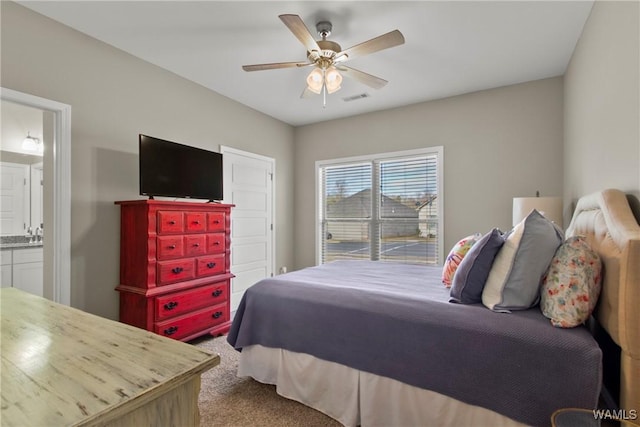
(452, 47)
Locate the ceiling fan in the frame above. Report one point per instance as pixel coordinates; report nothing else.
(327, 57)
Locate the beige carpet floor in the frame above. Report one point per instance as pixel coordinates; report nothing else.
(226, 400)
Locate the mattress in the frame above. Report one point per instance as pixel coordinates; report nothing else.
(395, 321)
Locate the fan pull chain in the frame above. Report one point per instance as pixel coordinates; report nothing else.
(324, 96)
(324, 88)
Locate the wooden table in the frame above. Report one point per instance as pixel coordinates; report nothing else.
(62, 366)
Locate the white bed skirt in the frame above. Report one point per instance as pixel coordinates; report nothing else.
(357, 398)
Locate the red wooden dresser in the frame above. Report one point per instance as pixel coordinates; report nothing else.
(174, 267)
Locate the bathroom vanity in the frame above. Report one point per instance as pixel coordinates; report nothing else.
(21, 267)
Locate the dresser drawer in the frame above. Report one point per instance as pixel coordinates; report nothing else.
(210, 265)
(175, 271)
(216, 221)
(184, 326)
(216, 243)
(178, 303)
(195, 244)
(170, 222)
(195, 222)
(169, 247)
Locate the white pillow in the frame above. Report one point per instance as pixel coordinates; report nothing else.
(517, 271)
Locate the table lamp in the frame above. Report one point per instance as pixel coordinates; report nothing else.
(549, 207)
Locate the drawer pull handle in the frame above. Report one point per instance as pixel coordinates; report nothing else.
(217, 221)
(172, 222)
(216, 243)
(177, 270)
(211, 264)
(197, 222)
(170, 331)
(217, 314)
(170, 305)
(196, 245)
(216, 293)
(172, 246)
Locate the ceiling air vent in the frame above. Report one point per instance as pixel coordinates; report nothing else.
(354, 97)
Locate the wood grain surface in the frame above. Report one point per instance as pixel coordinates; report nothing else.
(62, 366)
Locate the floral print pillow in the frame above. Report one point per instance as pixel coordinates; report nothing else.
(571, 287)
(455, 256)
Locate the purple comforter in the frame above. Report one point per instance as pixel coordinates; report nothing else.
(395, 320)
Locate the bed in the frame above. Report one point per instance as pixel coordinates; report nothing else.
(399, 353)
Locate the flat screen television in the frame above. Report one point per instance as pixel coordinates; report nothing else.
(176, 170)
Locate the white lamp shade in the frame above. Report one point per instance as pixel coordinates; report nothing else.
(32, 144)
(315, 80)
(333, 79)
(549, 207)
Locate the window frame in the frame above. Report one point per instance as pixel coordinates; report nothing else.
(438, 151)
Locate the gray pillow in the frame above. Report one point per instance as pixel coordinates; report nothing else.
(472, 273)
(517, 271)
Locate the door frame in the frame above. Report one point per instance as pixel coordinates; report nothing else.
(61, 152)
(226, 149)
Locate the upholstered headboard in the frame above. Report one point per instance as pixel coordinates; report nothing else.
(606, 220)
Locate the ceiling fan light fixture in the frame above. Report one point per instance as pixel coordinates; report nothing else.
(315, 80)
(333, 79)
(334, 89)
(324, 54)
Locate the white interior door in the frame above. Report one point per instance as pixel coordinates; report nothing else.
(13, 194)
(37, 182)
(248, 184)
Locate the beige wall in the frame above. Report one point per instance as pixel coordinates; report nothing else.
(498, 144)
(114, 96)
(602, 104)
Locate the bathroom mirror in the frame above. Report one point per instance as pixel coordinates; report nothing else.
(21, 170)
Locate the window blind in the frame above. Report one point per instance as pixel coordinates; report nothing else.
(347, 212)
(386, 209)
(407, 218)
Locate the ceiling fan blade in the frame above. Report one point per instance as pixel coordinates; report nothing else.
(362, 77)
(306, 93)
(385, 41)
(275, 65)
(297, 27)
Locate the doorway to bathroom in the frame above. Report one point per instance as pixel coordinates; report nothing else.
(52, 233)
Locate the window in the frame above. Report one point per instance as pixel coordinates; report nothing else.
(399, 220)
